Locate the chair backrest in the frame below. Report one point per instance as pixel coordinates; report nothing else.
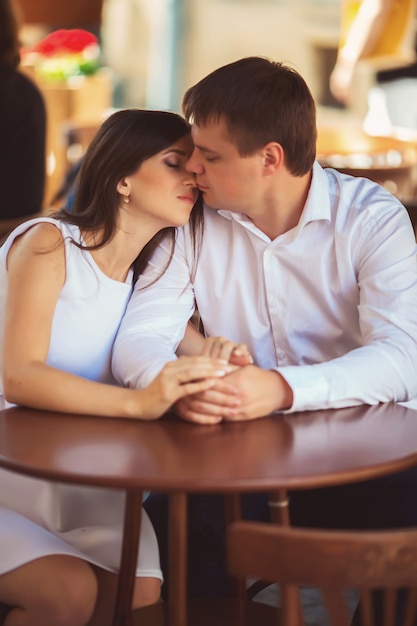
(332, 561)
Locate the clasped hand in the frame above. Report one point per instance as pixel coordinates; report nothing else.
(247, 393)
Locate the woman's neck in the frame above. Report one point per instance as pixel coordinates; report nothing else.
(116, 257)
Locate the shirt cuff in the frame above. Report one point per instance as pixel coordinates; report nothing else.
(310, 390)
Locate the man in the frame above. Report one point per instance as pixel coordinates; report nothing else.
(313, 270)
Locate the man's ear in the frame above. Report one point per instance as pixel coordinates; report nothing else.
(273, 157)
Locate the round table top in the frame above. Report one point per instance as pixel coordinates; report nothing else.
(293, 451)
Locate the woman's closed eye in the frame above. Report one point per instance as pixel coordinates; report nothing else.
(174, 164)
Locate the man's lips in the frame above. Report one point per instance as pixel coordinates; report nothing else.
(202, 187)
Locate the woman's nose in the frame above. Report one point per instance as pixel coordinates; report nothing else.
(190, 179)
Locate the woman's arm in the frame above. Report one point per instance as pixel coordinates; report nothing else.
(36, 270)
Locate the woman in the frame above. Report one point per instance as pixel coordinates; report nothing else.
(64, 285)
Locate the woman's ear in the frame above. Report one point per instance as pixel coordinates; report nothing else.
(273, 157)
(123, 187)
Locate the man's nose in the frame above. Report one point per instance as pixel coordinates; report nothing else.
(193, 164)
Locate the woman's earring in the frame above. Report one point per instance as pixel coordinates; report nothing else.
(126, 199)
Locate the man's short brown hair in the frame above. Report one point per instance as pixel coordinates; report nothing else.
(260, 101)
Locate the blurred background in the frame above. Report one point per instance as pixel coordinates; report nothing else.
(157, 48)
(152, 50)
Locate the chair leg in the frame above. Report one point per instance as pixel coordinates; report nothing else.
(279, 505)
(256, 587)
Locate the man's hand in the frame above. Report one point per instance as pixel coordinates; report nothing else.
(222, 348)
(245, 394)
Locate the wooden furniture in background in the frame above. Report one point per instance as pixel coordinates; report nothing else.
(389, 161)
(334, 562)
(80, 102)
(58, 14)
(305, 450)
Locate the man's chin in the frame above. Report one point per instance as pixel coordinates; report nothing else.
(211, 202)
(209, 205)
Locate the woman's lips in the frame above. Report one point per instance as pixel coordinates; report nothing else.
(187, 199)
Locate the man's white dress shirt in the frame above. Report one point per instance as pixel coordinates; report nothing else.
(330, 304)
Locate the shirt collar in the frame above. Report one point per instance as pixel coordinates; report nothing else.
(317, 206)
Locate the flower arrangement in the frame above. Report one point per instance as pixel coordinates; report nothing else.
(65, 53)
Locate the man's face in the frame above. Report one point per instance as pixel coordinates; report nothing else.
(226, 179)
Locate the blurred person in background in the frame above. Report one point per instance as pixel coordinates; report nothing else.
(22, 131)
(381, 33)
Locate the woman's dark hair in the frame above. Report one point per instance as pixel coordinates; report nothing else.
(121, 144)
(9, 35)
(260, 101)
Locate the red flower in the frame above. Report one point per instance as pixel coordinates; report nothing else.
(64, 41)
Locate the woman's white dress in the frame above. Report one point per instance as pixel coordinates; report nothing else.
(37, 517)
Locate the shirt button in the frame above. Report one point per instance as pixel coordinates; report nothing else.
(282, 355)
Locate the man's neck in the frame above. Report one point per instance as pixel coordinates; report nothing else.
(283, 210)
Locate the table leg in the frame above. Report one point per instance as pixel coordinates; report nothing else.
(177, 566)
(129, 557)
(290, 597)
(233, 513)
(279, 505)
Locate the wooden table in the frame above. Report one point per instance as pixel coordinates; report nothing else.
(276, 453)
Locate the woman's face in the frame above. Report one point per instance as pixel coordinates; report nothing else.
(161, 188)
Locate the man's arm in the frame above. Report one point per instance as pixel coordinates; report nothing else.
(382, 369)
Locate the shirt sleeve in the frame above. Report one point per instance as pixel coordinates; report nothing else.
(156, 317)
(384, 368)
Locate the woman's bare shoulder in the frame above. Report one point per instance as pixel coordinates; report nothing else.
(40, 237)
(41, 240)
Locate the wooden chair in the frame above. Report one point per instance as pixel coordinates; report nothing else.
(235, 611)
(332, 561)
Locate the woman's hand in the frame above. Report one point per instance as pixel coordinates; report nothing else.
(186, 376)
